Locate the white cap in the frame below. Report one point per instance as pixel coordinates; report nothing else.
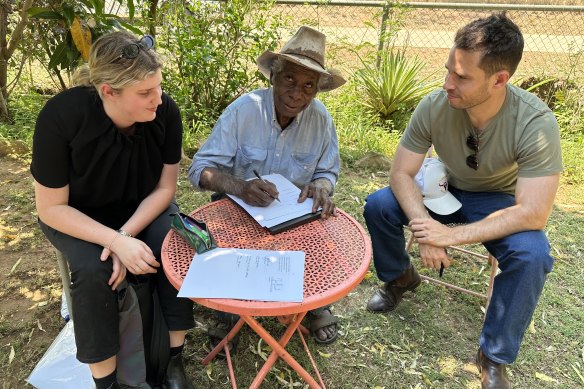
(433, 183)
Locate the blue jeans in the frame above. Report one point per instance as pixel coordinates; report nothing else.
(524, 259)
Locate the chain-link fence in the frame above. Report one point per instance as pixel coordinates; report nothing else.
(554, 35)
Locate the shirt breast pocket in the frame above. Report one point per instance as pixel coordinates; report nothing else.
(248, 158)
(302, 168)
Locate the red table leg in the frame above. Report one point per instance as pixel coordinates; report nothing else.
(279, 351)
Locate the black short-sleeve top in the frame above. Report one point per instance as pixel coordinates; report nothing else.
(109, 173)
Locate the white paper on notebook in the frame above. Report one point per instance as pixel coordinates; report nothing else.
(277, 212)
(246, 274)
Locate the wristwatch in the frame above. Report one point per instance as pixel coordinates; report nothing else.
(124, 233)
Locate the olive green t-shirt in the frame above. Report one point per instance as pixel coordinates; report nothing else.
(522, 140)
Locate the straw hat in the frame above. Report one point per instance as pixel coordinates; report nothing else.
(306, 48)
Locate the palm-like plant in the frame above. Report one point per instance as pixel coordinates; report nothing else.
(395, 84)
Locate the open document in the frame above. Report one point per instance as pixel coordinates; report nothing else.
(283, 214)
(246, 274)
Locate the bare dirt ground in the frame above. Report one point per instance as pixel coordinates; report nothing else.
(30, 287)
(350, 28)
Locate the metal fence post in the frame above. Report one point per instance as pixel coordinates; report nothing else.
(382, 32)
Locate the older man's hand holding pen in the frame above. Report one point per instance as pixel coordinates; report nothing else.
(259, 193)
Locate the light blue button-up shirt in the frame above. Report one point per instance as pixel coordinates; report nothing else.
(247, 137)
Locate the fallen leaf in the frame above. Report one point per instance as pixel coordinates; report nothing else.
(543, 377)
(15, 266)
(260, 352)
(209, 371)
(11, 356)
(40, 326)
(282, 380)
(324, 355)
(532, 329)
(42, 303)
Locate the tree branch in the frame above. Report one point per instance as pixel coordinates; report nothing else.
(17, 33)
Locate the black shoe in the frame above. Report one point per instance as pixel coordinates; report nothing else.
(175, 377)
(390, 294)
(493, 375)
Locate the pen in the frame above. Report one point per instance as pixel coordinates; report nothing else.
(442, 264)
(262, 180)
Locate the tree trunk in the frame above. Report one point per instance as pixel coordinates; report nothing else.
(4, 9)
(152, 16)
(7, 48)
(4, 116)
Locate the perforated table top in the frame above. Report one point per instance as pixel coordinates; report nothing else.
(337, 255)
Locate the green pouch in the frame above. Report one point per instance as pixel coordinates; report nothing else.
(194, 232)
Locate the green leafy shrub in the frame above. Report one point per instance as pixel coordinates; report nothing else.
(569, 111)
(25, 109)
(395, 85)
(358, 131)
(63, 31)
(546, 88)
(212, 48)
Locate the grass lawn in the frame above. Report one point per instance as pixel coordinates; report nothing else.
(428, 342)
(431, 339)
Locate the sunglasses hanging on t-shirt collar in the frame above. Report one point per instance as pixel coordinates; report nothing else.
(472, 161)
(131, 50)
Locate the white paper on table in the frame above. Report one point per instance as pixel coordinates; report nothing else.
(277, 212)
(246, 275)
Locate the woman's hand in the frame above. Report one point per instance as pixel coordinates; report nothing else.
(134, 254)
(119, 270)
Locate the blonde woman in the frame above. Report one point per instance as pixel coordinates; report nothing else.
(105, 163)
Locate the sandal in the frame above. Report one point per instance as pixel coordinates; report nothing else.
(218, 333)
(324, 319)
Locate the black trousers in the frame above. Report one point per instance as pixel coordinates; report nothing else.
(95, 305)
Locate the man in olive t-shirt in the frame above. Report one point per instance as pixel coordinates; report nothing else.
(501, 147)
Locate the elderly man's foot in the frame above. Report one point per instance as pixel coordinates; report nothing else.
(219, 331)
(324, 326)
(390, 294)
(493, 375)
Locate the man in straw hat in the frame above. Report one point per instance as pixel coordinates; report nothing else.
(501, 147)
(282, 129)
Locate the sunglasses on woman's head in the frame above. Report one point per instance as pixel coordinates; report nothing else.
(472, 161)
(131, 50)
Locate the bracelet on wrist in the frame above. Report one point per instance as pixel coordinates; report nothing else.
(124, 233)
(109, 246)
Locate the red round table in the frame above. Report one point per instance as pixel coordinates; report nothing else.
(337, 255)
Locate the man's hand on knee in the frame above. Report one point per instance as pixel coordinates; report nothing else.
(431, 232)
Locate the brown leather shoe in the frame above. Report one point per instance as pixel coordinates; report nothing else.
(493, 375)
(390, 294)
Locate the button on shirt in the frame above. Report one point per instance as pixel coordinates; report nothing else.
(247, 137)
